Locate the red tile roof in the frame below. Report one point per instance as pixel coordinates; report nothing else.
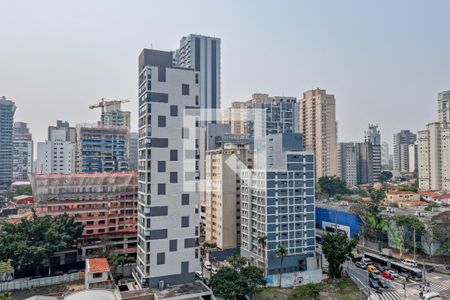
(401, 193)
(97, 265)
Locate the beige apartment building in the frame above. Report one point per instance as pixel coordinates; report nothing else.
(317, 122)
(223, 190)
(433, 145)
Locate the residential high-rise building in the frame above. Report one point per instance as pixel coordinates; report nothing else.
(57, 154)
(317, 115)
(348, 163)
(278, 208)
(222, 207)
(7, 110)
(373, 138)
(168, 215)
(385, 157)
(412, 158)
(101, 149)
(238, 118)
(402, 140)
(133, 151)
(202, 54)
(444, 107)
(263, 114)
(433, 146)
(54, 132)
(23, 152)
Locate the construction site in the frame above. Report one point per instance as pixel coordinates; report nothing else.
(104, 203)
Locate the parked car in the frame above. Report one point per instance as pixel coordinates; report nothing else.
(374, 284)
(58, 273)
(387, 275)
(384, 284)
(394, 273)
(361, 265)
(380, 268)
(208, 265)
(198, 275)
(72, 271)
(374, 276)
(372, 269)
(366, 260)
(409, 262)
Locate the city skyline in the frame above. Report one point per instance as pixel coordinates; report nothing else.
(385, 58)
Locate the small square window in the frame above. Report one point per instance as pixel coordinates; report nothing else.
(161, 166)
(160, 258)
(173, 155)
(185, 89)
(161, 121)
(161, 189)
(173, 177)
(185, 221)
(184, 199)
(173, 110)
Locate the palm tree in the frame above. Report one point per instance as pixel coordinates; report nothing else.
(281, 253)
(262, 240)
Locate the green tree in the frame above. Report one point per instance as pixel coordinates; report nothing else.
(337, 248)
(405, 224)
(228, 284)
(281, 253)
(236, 262)
(332, 185)
(377, 195)
(253, 277)
(262, 241)
(31, 243)
(385, 176)
(441, 234)
(306, 291)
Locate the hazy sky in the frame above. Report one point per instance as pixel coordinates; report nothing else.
(385, 61)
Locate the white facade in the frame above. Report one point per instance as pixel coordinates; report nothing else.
(433, 150)
(55, 157)
(412, 157)
(385, 154)
(168, 214)
(348, 163)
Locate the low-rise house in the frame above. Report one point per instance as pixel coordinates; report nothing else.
(393, 198)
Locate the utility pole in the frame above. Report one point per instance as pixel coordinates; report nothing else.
(414, 240)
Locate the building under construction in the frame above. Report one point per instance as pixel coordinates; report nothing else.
(105, 203)
(101, 149)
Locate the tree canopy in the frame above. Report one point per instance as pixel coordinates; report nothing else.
(377, 195)
(337, 248)
(231, 283)
(385, 176)
(332, 185)
(33, 242)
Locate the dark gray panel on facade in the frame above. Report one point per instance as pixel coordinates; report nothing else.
(190, 243)
(158, 234)
(156, 211)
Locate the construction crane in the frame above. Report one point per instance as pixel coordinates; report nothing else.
(114, 104)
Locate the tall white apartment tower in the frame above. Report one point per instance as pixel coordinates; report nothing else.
(57, 154)
(168, 214)
(202, 54)
(433, 147)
